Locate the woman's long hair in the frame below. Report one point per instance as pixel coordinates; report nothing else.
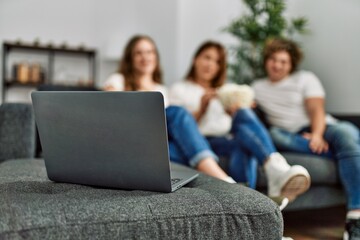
(220, 77)
(126, 67)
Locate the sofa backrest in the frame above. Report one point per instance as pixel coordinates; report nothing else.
(17, 131)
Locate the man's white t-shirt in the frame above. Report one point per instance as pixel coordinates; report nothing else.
(215, 122)
(117, 82)
(284, 101)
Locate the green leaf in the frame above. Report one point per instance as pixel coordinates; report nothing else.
(264, 20)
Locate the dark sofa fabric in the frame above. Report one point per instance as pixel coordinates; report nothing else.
(32, 207)
(326, 189)
(17, 131)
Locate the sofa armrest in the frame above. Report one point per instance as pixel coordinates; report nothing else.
(17, 131)
(355, 119)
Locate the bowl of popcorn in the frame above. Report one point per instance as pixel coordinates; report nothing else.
(234, 95)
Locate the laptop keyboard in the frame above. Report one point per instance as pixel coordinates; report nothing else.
(175, 180)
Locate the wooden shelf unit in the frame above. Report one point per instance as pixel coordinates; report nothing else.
(51, 52)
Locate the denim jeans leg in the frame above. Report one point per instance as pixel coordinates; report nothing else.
(293, 142)
(242, 166)
(252, 135)
(344, 138)
(344, 143)
(287, 141)
(176, 154)
(184, 135)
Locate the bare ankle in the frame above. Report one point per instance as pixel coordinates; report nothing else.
(210, 167)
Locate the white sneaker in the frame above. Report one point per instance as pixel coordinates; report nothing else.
(285, 180)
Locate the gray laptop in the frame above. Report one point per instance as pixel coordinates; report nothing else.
(107, 139)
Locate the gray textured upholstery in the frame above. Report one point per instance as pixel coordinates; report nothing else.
(32, 207)
(17, 131)
(325, 191)
(322, 170)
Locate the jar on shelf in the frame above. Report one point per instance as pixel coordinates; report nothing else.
(35, 73)
(23, 72)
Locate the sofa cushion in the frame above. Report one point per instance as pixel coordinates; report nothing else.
(33, 207)
(325, 190)
(318, 197)
(323, 171)
(17, 131)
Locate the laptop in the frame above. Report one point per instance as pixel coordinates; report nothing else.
(107, 139)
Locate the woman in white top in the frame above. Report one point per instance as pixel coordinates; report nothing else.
(236, 132)
(140, 71)
(294, 104)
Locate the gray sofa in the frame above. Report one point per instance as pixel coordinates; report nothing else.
(325, 190)
(16, 131)
(32, 207)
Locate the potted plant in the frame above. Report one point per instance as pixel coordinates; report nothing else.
(264, 20)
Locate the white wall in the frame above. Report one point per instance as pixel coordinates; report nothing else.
(46, 20)
(202, 20)
(105, 25)
(332, 50)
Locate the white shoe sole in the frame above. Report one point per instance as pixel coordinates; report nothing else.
(290, 184)
(295, 186)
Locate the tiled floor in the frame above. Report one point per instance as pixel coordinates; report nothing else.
(327, 224)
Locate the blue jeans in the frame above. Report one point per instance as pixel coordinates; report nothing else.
(344, 143)
(248, 145)
(186, 144)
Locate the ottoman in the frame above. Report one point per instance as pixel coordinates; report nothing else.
(33, 207)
